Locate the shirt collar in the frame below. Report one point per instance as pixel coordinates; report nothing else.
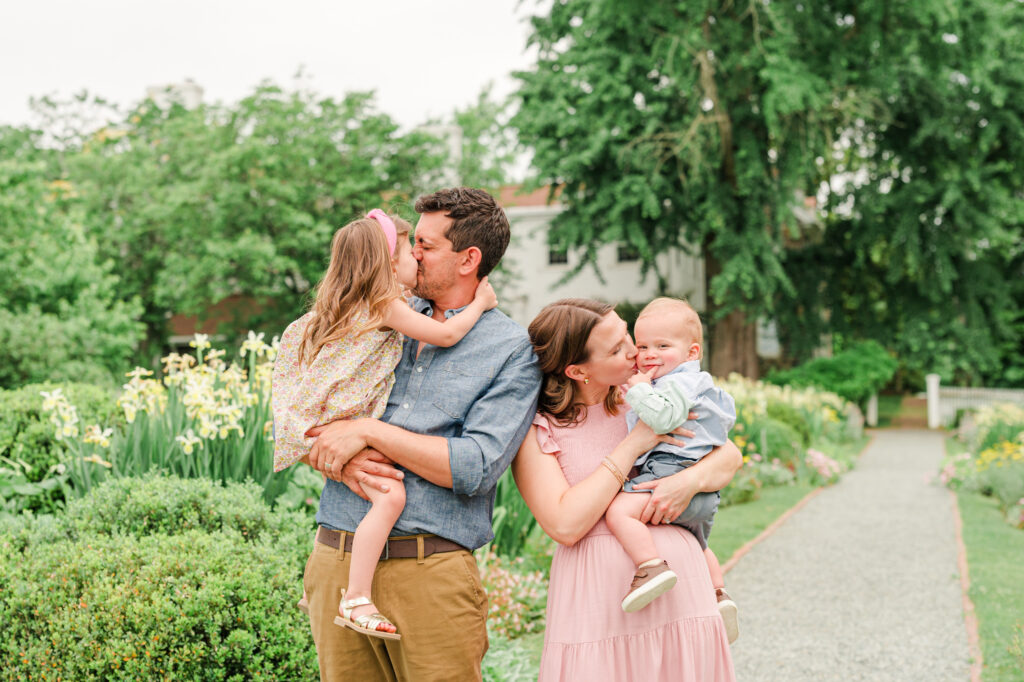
(691, 366)
(425, 307)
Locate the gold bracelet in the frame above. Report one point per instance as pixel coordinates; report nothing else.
(610, 466)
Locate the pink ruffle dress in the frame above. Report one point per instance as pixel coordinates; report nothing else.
(678, 638)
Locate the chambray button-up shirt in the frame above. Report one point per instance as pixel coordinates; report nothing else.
(480, 395)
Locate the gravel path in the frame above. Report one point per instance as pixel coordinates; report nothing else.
(862, 583)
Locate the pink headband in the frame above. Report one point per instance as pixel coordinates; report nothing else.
(388, 225)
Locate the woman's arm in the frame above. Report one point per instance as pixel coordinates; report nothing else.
(565, 512)
(444, 334)
(671, 495)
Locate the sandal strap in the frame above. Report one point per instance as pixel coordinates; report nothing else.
(353, 603)
(372, 621)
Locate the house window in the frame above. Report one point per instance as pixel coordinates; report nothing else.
(558, 255)
(628, 253)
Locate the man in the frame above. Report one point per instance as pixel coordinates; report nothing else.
(454, 421)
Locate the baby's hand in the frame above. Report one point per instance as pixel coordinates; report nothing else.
(640, 378)
(485, 294)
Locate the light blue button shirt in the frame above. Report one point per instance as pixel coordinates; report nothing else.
(716, 412)
(481, 395)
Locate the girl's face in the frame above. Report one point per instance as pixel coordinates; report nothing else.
(404, 264)
(612, 353)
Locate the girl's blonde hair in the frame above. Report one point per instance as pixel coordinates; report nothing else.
(359, 279)
(559, 335)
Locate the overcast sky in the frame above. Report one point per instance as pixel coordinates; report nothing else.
(423, 58)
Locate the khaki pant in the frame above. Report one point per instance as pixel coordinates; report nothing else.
(438, 605)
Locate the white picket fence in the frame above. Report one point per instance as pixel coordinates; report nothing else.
(945, 401)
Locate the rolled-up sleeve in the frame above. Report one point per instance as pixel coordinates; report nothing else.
(663, 408)
(495, 425)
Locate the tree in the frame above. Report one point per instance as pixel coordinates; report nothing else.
(62, 313)
(199, 205)
(926, 256)
(676, 124)
(487, 144)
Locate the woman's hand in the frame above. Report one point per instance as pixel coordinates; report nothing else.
(670, 496)
(642, 438)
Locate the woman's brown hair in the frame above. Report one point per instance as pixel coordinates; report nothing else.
(559, 335)
(359, 279)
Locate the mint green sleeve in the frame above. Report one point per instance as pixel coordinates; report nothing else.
(663, 409)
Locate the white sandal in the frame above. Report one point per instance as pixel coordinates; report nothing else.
(364, 624)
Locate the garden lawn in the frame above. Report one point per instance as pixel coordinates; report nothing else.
(738, 524)
(995, 555)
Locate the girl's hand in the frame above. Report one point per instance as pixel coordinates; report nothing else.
(485, 295)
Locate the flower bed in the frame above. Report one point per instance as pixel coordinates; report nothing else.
(993, 464)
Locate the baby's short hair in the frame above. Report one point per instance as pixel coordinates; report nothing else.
(664, 305)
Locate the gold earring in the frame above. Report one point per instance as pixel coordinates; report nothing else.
(586, 381)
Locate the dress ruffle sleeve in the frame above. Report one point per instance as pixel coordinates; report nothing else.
(547, 442)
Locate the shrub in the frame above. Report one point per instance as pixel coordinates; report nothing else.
(26, 432)
(790, 416)
(775, 440)
(156, 579)
(169, 505)
(745, 486)
(516, 597)
(855, 374)
(999, 472)
(28, 440)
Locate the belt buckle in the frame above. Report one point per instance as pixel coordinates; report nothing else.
(387, 550)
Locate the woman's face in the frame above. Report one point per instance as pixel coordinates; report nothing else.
(612, 353)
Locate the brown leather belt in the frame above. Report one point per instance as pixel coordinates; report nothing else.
(408, 547)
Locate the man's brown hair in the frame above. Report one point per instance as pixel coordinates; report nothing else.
(477, 220)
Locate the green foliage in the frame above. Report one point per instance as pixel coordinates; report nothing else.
(512, 521)
(487, 143)
(928, 258)
(744, 487)
(19, 494)
(156, 579)
(707, 123)
(202, 420)
(513, 660)
(26, 432)
(790, 416)
(856, 373)
(776, 440)
(64, 315)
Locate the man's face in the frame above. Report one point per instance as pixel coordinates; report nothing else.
(438, 263)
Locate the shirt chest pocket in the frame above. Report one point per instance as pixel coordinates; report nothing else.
(459, 385)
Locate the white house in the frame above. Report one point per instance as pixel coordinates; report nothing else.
(536, 271)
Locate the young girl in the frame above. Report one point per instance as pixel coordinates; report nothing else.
(337, 362)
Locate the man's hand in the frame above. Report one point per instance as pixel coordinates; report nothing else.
(369, 468)
(336, 443)
(640, 378)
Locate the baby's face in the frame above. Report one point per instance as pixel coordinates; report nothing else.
(662, 344)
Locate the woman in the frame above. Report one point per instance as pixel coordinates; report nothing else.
(568, 470)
